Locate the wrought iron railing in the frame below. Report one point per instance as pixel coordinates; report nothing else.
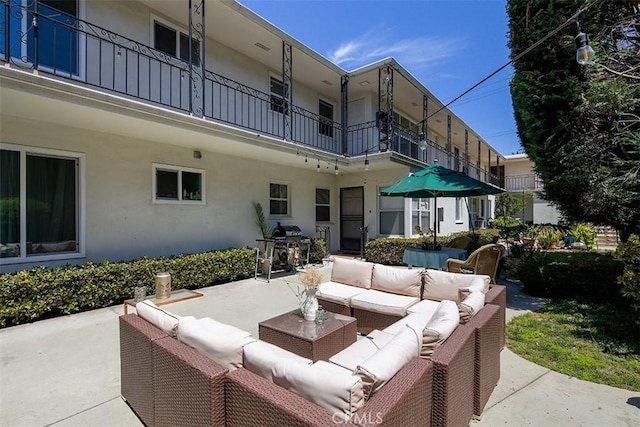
(64, 46)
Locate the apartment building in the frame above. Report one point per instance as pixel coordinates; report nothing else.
(148, 128)
(517, 175)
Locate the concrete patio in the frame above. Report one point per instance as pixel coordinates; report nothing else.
(66, 371)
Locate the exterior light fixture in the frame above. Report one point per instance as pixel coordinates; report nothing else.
(318, 167)
(336, 167)
(423, 142)
(585, 54)
(366, 160)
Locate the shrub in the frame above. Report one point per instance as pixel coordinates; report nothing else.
(586, 275)
(629, 252)
(317, 251)
(40, 293)
(390, 250)
(583, 233)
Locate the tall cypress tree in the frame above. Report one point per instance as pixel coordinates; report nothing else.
(569, 116)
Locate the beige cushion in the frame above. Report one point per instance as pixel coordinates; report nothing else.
(383, 302)
(442, 285)
(426, 307)
(441, 325)
(339, 393)
(397, 280)
(338, 292)
(361, 350)
(416, 321)
(352, 272)
(471, 305)
(386, 362)
(332, 367)
(218, 341)
(158, 317)
(260, 357)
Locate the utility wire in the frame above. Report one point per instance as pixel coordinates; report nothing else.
(517, 57)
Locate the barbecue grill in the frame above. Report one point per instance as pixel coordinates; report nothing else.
(287, 250)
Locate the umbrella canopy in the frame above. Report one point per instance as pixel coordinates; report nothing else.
(438, 181)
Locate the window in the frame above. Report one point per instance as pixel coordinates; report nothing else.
(39, 203)
(278, 199)
(279, 102)
(323, 208)
(458, 209)
(325, 111)
(391, 216)
(175, 43)
(420, 215)
(178, 184)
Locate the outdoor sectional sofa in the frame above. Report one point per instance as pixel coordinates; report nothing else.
(169, 378)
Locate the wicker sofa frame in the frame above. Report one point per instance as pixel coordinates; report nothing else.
(168, 383)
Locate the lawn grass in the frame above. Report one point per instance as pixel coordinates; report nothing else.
(591, 341)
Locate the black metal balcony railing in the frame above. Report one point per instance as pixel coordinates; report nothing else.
(65, 46)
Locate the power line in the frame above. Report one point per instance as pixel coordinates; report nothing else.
(517, 57)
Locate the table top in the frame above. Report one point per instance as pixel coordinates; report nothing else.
(176, 296)
(432, 258)
(293, 323)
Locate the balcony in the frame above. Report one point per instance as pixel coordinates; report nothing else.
(523, 182)
(69, 48)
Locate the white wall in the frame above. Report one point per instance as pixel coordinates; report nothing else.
(123, 222)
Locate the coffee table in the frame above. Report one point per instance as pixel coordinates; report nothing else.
(306, 338)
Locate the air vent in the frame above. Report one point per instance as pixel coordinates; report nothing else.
(327, 82)
(263, 47)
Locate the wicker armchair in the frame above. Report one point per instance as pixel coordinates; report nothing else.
(461, 242)
(483, 260)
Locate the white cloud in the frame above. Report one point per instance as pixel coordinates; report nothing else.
(416, 54)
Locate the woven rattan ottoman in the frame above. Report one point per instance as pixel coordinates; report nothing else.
(306, 338)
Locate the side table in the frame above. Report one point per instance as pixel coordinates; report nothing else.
(306, 338)
(176, 296)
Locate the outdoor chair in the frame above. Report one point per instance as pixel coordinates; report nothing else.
(461, 242)
(483, 260)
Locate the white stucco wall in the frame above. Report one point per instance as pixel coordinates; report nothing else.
(122, 222)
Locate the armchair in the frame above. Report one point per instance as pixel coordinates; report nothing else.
(483, 260)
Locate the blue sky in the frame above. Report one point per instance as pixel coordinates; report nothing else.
(449, 45)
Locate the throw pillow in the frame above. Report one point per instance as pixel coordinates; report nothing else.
(218, 341)
(386, 362)
(158, 317)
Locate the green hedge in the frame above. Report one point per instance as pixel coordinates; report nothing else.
(40, 293)
(389, 250)
(588, 275)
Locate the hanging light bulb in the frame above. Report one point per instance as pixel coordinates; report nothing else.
(585, 54)
(366, 160)
(423, 142)
(318, 167)
(336, 167)
(306, 160)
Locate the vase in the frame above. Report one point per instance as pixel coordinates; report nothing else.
(310, 305)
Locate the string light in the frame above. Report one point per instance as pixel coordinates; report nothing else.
(366, 160)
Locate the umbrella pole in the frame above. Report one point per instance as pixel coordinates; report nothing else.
(435, 220)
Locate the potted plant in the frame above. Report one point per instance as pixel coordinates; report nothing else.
(548, 237)
(267, 233)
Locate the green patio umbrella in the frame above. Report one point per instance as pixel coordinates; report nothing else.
(438, 181)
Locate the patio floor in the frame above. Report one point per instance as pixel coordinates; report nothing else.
(66, 371)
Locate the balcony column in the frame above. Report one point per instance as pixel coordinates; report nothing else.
(344, 111)
(449, 154)
(466, 151)
(425, 128)
(478, 163)
(196, 72)
(385, 105)
(487, 175)
(499, 183)
(287, 89)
